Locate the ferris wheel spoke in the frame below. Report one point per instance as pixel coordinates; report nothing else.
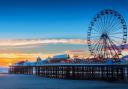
(106, 19)
(106, 50)
(96, 30)
(113, 52)
(118, 25)
(114, 26)
(114, 20)
(104, 26)
(111, 23)
(100, 23)
(116, 37)
(116, 33)
(94, 33)
(114, 29)
(106, 23)
(99, 26)
(98, 50)
(115, 41)
(112, 47)
(95, 45)
(100, 45)
(101, 51)
(109, 48)
(96, 37)
(110, 18)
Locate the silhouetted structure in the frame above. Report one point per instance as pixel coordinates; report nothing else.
(75, 71)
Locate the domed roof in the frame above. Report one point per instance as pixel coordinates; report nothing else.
(45, 60)
(61, 56)
(38, 59)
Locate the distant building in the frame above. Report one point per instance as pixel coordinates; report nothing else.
(59, 58)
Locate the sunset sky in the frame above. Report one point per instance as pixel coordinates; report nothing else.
(31, 28)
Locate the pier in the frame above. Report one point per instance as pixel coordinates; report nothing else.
(105, 49)
(75, 71)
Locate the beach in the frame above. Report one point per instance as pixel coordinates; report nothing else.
(12, 81)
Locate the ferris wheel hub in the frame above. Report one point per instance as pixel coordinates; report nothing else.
(104, 36)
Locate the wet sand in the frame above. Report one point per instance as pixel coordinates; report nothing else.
(10, 81)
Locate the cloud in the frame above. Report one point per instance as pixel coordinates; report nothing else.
(27, 42)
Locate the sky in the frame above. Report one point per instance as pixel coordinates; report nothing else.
(31, 28)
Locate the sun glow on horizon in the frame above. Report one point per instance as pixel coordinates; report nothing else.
(8, 59)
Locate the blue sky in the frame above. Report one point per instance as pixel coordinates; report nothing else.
(52, 18)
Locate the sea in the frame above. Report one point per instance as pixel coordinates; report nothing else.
(13, 81)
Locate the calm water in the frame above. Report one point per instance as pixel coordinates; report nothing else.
(33, 82)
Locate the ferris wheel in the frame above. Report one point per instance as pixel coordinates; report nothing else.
(107, 34)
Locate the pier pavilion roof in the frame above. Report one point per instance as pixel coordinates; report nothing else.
(63, 56)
